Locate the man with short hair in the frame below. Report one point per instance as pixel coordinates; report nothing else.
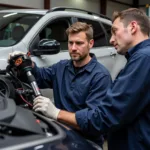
(125, 112)
(79, 84)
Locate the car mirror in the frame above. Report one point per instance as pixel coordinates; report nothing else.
(47, 47)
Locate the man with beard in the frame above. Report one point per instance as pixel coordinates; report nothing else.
(125, 111)
(78, 84)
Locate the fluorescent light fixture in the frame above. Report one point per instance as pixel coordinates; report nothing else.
(9, 15)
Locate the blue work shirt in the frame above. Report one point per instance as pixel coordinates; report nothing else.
(75, 91)
(125, 112)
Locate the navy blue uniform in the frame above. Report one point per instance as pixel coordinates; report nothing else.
(75, 91)
(125, 112)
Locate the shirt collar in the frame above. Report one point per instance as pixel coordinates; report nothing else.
(89, 67)
(137, 47)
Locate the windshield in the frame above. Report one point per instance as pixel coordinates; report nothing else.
(14, 26)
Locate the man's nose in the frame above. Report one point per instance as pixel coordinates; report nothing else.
(74, 46)
(111, 41)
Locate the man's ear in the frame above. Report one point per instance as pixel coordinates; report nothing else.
(133, 27)
(91, 43)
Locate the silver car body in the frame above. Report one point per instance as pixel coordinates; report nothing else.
(106, 55)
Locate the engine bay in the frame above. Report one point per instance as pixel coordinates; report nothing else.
(18, 122)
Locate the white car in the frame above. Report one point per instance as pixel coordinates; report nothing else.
(23, 29)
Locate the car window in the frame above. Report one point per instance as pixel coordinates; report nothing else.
(14, 26)
(99, 34)
(56, 30)
(108, 31)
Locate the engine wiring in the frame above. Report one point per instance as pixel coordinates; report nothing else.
(25, 100)
(21, 96)
(22, 87)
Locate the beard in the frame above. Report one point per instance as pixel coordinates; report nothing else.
(77, 57)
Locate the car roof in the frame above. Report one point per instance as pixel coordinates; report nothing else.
(31, 11)
(45, 11)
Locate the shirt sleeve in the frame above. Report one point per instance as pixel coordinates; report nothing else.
(124, 99)
(44, 76)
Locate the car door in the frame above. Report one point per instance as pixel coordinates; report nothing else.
(54, 29)
(119, 61)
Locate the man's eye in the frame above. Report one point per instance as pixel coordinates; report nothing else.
(78, 43)
(114, 31)
(70, 43)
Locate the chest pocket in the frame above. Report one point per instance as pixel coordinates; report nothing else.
(76, 89)
(81, 91)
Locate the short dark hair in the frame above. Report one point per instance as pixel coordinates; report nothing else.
(136, 14)
(79, 27)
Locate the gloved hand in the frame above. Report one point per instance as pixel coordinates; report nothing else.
(15, 53)
(44, 105)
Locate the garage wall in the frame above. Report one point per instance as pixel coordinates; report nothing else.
(91, 5)
(25, 3)
(126, 1)
(143, 2)
(111, 7)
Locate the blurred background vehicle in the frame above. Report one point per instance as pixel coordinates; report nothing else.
(23, 29)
